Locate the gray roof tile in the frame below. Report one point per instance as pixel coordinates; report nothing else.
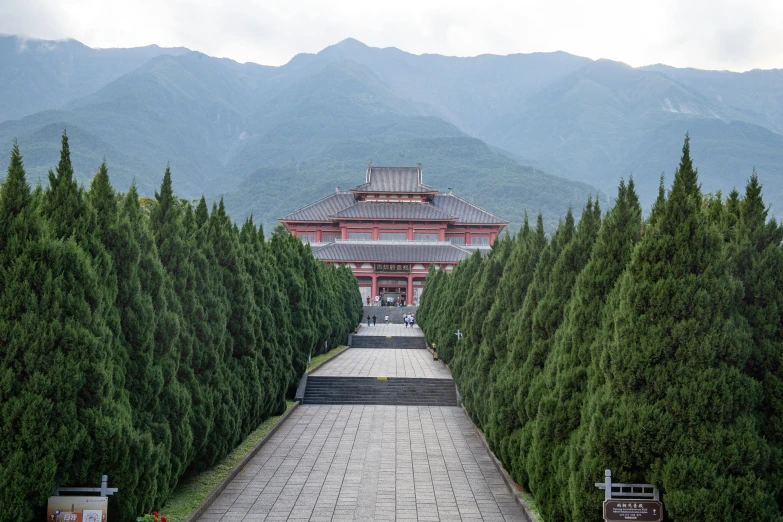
(391, 252)
(466, 212)
(394, 179)
(323, 208)
(372, 210)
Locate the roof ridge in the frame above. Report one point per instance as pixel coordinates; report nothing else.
(472, 205)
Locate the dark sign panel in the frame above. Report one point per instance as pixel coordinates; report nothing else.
(629, 509)
(392, 268)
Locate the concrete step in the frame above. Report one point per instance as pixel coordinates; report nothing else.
(371, 390)
(395, 313)
(373, 341)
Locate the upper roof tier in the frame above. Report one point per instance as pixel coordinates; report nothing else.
(435, 206)
(397, 180)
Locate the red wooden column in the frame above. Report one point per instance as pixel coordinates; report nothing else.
(343, 232)
(374, 288)
(409, 291)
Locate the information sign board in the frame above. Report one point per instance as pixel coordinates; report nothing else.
(629, 509)
(77, 509)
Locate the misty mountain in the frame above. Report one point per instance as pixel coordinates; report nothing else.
(37, 75)
(597, 121)
(501, 130)
(272, 139)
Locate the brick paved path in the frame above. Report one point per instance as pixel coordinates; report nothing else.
(372, 362)
(365, 463)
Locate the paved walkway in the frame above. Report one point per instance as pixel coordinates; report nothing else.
(365, 463)
(394, 330)
(374, 362)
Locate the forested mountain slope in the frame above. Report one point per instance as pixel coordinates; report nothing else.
(229, 128)
(36, 75)
(247, 131)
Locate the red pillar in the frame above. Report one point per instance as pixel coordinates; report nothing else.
(409, 292)
(374, 288)
(344, 232)
(410, 232)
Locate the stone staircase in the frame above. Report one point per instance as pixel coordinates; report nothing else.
(395, 313)
(394, 391)
(373, 341)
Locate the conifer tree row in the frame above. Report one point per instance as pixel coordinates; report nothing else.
(143, 338)
(651, 347)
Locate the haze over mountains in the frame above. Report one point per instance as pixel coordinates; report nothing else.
(508, 132)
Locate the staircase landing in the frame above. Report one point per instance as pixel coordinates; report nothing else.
(375, 362)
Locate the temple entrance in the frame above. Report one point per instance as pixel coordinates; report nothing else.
(390, 294)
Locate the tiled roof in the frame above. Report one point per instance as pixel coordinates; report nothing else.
(393, 179)
(465, 211)
(323, 208)
(373, 210)
(391, 252)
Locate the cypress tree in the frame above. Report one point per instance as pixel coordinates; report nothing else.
(676, 408)
(757, 257)
(510, 389)
(55, 371)
(546, 321)
(565, 373)
(469, 375)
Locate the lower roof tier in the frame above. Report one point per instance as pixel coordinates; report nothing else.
(374, 251)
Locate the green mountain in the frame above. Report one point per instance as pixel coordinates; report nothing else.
(596, 121)
(249, 132)
(37, 75)
(501, 130)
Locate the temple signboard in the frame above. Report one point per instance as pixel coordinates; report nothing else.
(640, 510)
(393, 268)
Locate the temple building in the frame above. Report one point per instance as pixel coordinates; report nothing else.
(391, 229)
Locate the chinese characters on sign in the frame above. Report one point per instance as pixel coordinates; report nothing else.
(77, 509)
(640, 510)
(393, 267)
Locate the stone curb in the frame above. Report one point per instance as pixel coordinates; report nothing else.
(212, 497)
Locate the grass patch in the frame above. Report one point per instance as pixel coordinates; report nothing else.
(318, 359)
(192, 490)
(531, 503)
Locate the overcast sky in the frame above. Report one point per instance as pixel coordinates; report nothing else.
(708, 34)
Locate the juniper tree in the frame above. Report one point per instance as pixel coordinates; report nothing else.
(757, 257)
(546, 321)
(565, 374)
(56, 374)
(465, 368)
(677, 408)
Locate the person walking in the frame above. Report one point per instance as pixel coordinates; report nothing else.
(386, 319)
(368, 321)
(373, 319)
(405, 320)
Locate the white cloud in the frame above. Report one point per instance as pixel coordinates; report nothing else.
(715, 34)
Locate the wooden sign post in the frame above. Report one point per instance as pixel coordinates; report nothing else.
(639, 502)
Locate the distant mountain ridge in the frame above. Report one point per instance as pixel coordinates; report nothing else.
(271, 138)
(37, 75)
